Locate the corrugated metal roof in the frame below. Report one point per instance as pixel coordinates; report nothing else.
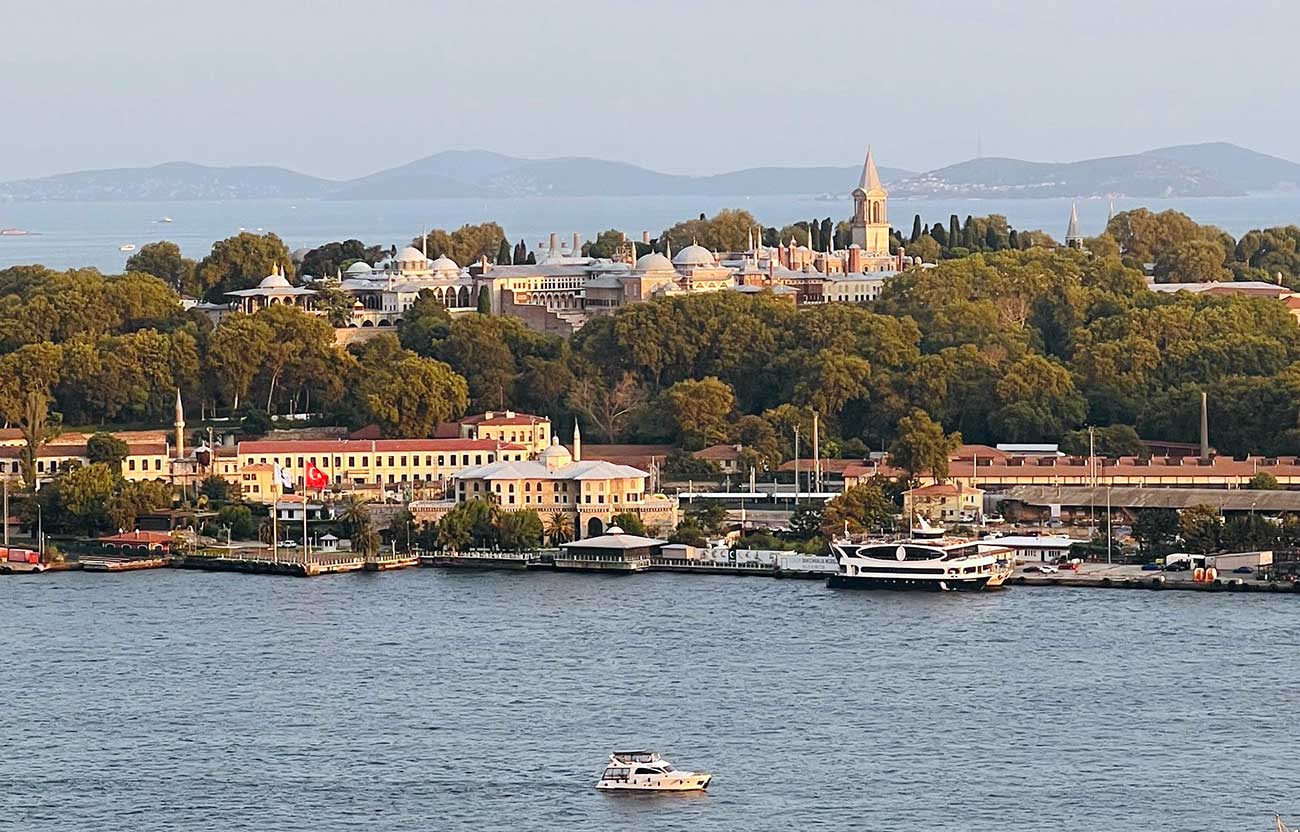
(1224, 499)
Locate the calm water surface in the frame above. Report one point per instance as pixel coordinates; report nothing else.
(435, 700)
(88, 233)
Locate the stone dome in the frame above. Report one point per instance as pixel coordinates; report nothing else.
(444, 264)
(410, 254)
(275, 281)
(555, 455)
(694, 255)
(359, 267)
(654, 262)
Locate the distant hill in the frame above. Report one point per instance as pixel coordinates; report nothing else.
(1216, 169)
(170, 181)
(478, 173)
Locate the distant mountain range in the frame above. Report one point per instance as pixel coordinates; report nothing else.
(1187, 170)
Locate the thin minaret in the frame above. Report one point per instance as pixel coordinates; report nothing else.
(180, 426)
(577, 442)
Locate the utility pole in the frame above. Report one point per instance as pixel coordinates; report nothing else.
(1092, 475)
(6, 510)
(817, 457)
(796, 466)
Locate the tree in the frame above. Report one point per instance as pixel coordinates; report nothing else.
(630, 523)
(365, 541)
(699, 410)
(85, 493)
(1110, 441)
(1155, 530)
(606, 244)
(1039, 401)
(163, 260)
(1200, 528)
(520, 530)
(108, 449)
(239, 519)
(406, 395)
(916, 229)
(471, 523)
(503, 253)
(1192, 261)
(806, 522)
(132, 499)
(606, 408)
(709, 517)
(236, 353)
(689, 534)
(423, 324)
(859, 509)
(37, 427)
(240, 262)
(216, 488)
(353, 512)
(485, 300)
(1263, 481)
(328, 260)
(559, 528)
(922, 446)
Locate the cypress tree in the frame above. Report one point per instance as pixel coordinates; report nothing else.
(940, 236)
(991, 240)
(484, 301)
(828, 234)
(814, 236)
(503, 254)
(1015, 239)
(532, 259)
(967, 235)
(954, 231)
(916, 229)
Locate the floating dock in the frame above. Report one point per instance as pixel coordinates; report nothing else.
(1156, 582)
(294, 564)
(113, 563)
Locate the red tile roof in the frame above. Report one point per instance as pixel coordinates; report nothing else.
(726, 453)
(499, 417)
(150, 538)
(332, 446)
(62, 451)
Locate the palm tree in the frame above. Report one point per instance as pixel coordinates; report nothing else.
(266, 531)
(365, 540)
(354, 512)
(558, 528)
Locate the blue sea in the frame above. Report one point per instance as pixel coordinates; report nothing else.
(67, 234)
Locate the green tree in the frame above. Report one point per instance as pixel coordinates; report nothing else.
(329, 259)
(922, 446)
(240, 262)
(1192, 261)
(607, 244)
(424, 324)
(1110, 441)
(1039, 401)
(484, 301)
(860, 509)
(236, 353)
(520, 530)
(216, 488)
(406, 395)
(471, 523)
(806, 521)
(1155, 530)
(630, 523)
(1263, 481)
(37, 427)
(239, 519)
(85, 493)
(699, 410)
(163, 260)
(1200, 528)
(503, 253)
(108, 449)
(131, 499)
(559, 528)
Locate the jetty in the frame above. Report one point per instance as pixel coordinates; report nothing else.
(261, 562)
(116, 563)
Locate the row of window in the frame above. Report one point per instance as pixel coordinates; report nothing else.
(394, 460)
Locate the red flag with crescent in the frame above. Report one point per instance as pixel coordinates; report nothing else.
(314, 477)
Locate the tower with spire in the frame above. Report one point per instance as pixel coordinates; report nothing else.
(1073, 239)
(870, 211)
(577, 442)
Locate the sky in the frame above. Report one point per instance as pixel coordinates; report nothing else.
(342, 89)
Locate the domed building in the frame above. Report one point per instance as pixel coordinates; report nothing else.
(700, 271)
(388, 290)
(274, 289)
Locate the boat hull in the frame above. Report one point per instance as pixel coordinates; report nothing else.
(975, 584)
(692, 783)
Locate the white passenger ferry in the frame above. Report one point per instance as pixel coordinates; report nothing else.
(913, 564)
(646, 771)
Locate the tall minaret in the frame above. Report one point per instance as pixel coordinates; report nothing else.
(1073, 239)
(577, 442)
(180, 426)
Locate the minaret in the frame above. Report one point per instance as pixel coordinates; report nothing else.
(577, 442)
(180, 426)
(1073, 239)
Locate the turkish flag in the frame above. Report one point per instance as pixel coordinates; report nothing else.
(314, 477)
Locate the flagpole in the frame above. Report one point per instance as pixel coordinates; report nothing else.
(275, 508)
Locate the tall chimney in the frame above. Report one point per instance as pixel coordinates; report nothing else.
(645, 237)
(577, 244)
(555, 243)
(1205, 428)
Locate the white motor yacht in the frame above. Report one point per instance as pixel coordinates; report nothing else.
(646, 771)
(921, 564)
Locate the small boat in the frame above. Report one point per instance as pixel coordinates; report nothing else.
(127, 247)
(646, 771)
(13, 232)
(921, 564)
(165, 220)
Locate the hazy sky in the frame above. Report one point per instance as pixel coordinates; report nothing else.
(340, 89)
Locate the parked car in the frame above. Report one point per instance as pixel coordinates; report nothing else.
(1150, 567)
(1045, 568)
(1244, 570)
(994, 520)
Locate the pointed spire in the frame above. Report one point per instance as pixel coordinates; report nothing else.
(1072, 231)
(751, 240)
(870, 177)
(668, 248)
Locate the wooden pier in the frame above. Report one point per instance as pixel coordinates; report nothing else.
(114, 563)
